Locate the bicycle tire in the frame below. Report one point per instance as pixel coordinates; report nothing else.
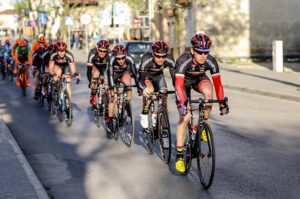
(149, 133)
(69, 114)
(116, 127)
(127, 127)
(206, 156)
(164, 151)
(49, 96)
(23, 85)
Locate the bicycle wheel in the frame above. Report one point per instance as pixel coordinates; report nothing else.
(68, 110)
(149, 133)
(164, 135)
(206, 156)
(23, 86)
(49, 96)
(127, 124)
(116, 127)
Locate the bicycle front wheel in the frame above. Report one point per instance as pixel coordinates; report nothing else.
(68, 111)
(164, 135)
(149, 133)
(206, 156)
(127, 124)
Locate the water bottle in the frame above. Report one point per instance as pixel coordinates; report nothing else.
(154, 116)
(194, 132)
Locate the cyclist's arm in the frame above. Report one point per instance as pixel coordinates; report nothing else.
(17, 58)
(145, 62)
(171, 64)
(133, 69)
(73, 67)
(110, 73)
(215, 73)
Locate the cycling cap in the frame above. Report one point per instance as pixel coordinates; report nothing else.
(119, 50)
(201, 42)
(160, 47)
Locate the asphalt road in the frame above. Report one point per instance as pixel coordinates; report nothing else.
(257, 150)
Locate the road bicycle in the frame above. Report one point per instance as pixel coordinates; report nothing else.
(23, 86)
(123, 120)
(63, 105)
(200, 143)
(159, 127)
(100, 111)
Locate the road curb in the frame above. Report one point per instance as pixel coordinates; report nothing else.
(35, 182)
(263, 93)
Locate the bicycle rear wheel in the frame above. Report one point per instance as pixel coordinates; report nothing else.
(127, 124)
(206, 156)
(149, 133)
(164, 135)
(68, 110)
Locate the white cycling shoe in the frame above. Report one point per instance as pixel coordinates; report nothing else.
(144, 121)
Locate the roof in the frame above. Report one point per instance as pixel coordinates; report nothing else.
(8, 12)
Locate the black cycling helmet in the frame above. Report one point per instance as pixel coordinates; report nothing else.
(201, 42)
(60, 45)
(160, 47)
(119, 49)
(103, 44)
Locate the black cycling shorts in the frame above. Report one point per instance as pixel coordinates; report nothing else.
(192, 83)
(158, 82)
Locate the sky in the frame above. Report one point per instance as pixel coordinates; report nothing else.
(5, 4)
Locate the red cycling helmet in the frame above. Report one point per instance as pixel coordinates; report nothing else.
(7, 41)
(103, 44)
(201, 42)
(119, 49)
(160, 47)
(60, 45)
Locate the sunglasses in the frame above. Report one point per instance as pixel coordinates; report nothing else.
(61, 50)
(120, 58)
(102, 51)
(200, 53)
(160, 56)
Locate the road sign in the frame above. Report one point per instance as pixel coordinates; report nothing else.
(137, 20)
(43, 18)
(69, 21)
(85, 19)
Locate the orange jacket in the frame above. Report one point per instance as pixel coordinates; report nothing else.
(35, 46)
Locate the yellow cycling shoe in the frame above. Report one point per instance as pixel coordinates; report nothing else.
(204, 137)
(180, 165)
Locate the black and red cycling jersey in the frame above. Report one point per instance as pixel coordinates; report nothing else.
(95, 60)
(188, 68)
(62, 61)
(114, 69)
(150, 68)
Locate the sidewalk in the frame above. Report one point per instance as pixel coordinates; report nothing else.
(262, 81)
(17, 179)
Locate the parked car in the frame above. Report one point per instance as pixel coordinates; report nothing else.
(136, 49)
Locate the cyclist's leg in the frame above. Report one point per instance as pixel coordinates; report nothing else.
(68, 80)
(95, 76)
(205, 87)
(126, 79)
(36, 74)
(27, 73)
(181, 130)
(150, 86)
(57, 71)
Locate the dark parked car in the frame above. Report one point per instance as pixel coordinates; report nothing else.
(137, 48)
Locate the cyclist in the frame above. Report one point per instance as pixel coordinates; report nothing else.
(190, 73)
(152, 76)
(7, 54)
(13, 53)
(2, 53)
(41, 42)
(59, 61)
(23, 55)
(97, 65)
(121, 67)
(37, 69)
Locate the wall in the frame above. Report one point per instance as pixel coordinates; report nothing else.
(274, 20)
